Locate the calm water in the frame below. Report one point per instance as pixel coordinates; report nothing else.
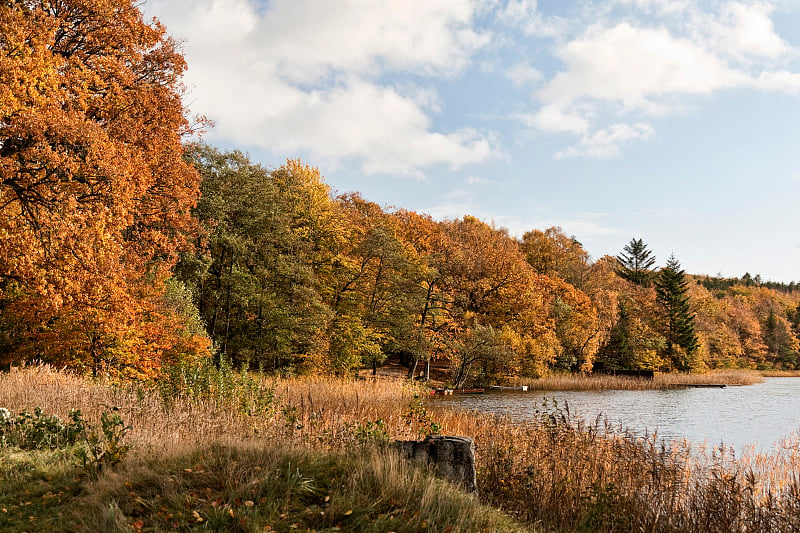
(755, 415)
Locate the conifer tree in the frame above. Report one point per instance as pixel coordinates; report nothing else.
(635, 263)
(671, 293)
(618, 353)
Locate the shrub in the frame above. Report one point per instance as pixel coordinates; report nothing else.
(37, 430)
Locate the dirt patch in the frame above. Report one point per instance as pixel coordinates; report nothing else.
(393, 369)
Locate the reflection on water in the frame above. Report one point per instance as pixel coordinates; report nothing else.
(758, 415)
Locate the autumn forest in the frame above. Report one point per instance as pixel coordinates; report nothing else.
(126, 247)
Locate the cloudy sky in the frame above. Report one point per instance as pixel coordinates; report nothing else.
(677, 121)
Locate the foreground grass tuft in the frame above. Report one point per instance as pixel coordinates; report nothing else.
(36, 489)
(227, 488)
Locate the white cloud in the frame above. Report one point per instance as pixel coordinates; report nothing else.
(554, 117)
(659, 6)
(629, 65)
(313, 36)
(781, 80)
(620, 72)
(742, 31)
(522, 74)
(607, 142)
(308, 76)
(524, 14)
(477, 180)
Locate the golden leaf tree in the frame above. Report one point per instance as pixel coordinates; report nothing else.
(94, 194)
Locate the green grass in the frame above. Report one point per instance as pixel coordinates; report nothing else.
(236, 488)
(37, 489)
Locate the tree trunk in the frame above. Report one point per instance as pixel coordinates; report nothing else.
(412, 369)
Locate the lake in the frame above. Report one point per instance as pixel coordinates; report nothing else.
(760, 415)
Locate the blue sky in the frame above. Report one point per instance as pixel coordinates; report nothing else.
(670, 120)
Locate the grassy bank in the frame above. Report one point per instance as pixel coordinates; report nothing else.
(242, 487)
(246, 454)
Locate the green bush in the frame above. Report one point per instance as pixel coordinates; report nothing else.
(40, 431)
(105, 448)
(245, 391)
(37, 430)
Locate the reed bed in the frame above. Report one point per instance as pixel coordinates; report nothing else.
(713, 377)
(780, 373)
(661, 380)
(557, 473)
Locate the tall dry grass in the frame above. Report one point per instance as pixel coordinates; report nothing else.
(556, 473)
(303, 410)
(780, 373)
(559, 382)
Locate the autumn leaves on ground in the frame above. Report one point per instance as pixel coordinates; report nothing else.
(149, 265)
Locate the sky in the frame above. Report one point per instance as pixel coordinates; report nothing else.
(674, 121)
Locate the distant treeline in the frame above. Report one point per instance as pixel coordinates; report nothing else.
(719, 283)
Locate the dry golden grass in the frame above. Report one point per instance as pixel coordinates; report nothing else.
(559, 382)
(713, 377)
(57, 392)
(555, 473)
(780, 373)
(305, 410)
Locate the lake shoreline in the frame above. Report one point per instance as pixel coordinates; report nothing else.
(760, 415)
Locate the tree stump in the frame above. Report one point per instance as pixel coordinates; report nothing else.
(453, 458)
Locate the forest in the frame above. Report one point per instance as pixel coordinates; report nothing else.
(127, 248)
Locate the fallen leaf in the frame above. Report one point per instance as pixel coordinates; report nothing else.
(249, 503)
(348, 513)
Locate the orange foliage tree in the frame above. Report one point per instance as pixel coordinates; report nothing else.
(433, 315)
(94, 194)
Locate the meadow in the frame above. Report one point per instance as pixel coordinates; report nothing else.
(222, 450)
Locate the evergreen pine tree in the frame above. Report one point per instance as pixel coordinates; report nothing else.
(635, 263)
(671, 289)
(617, 353)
